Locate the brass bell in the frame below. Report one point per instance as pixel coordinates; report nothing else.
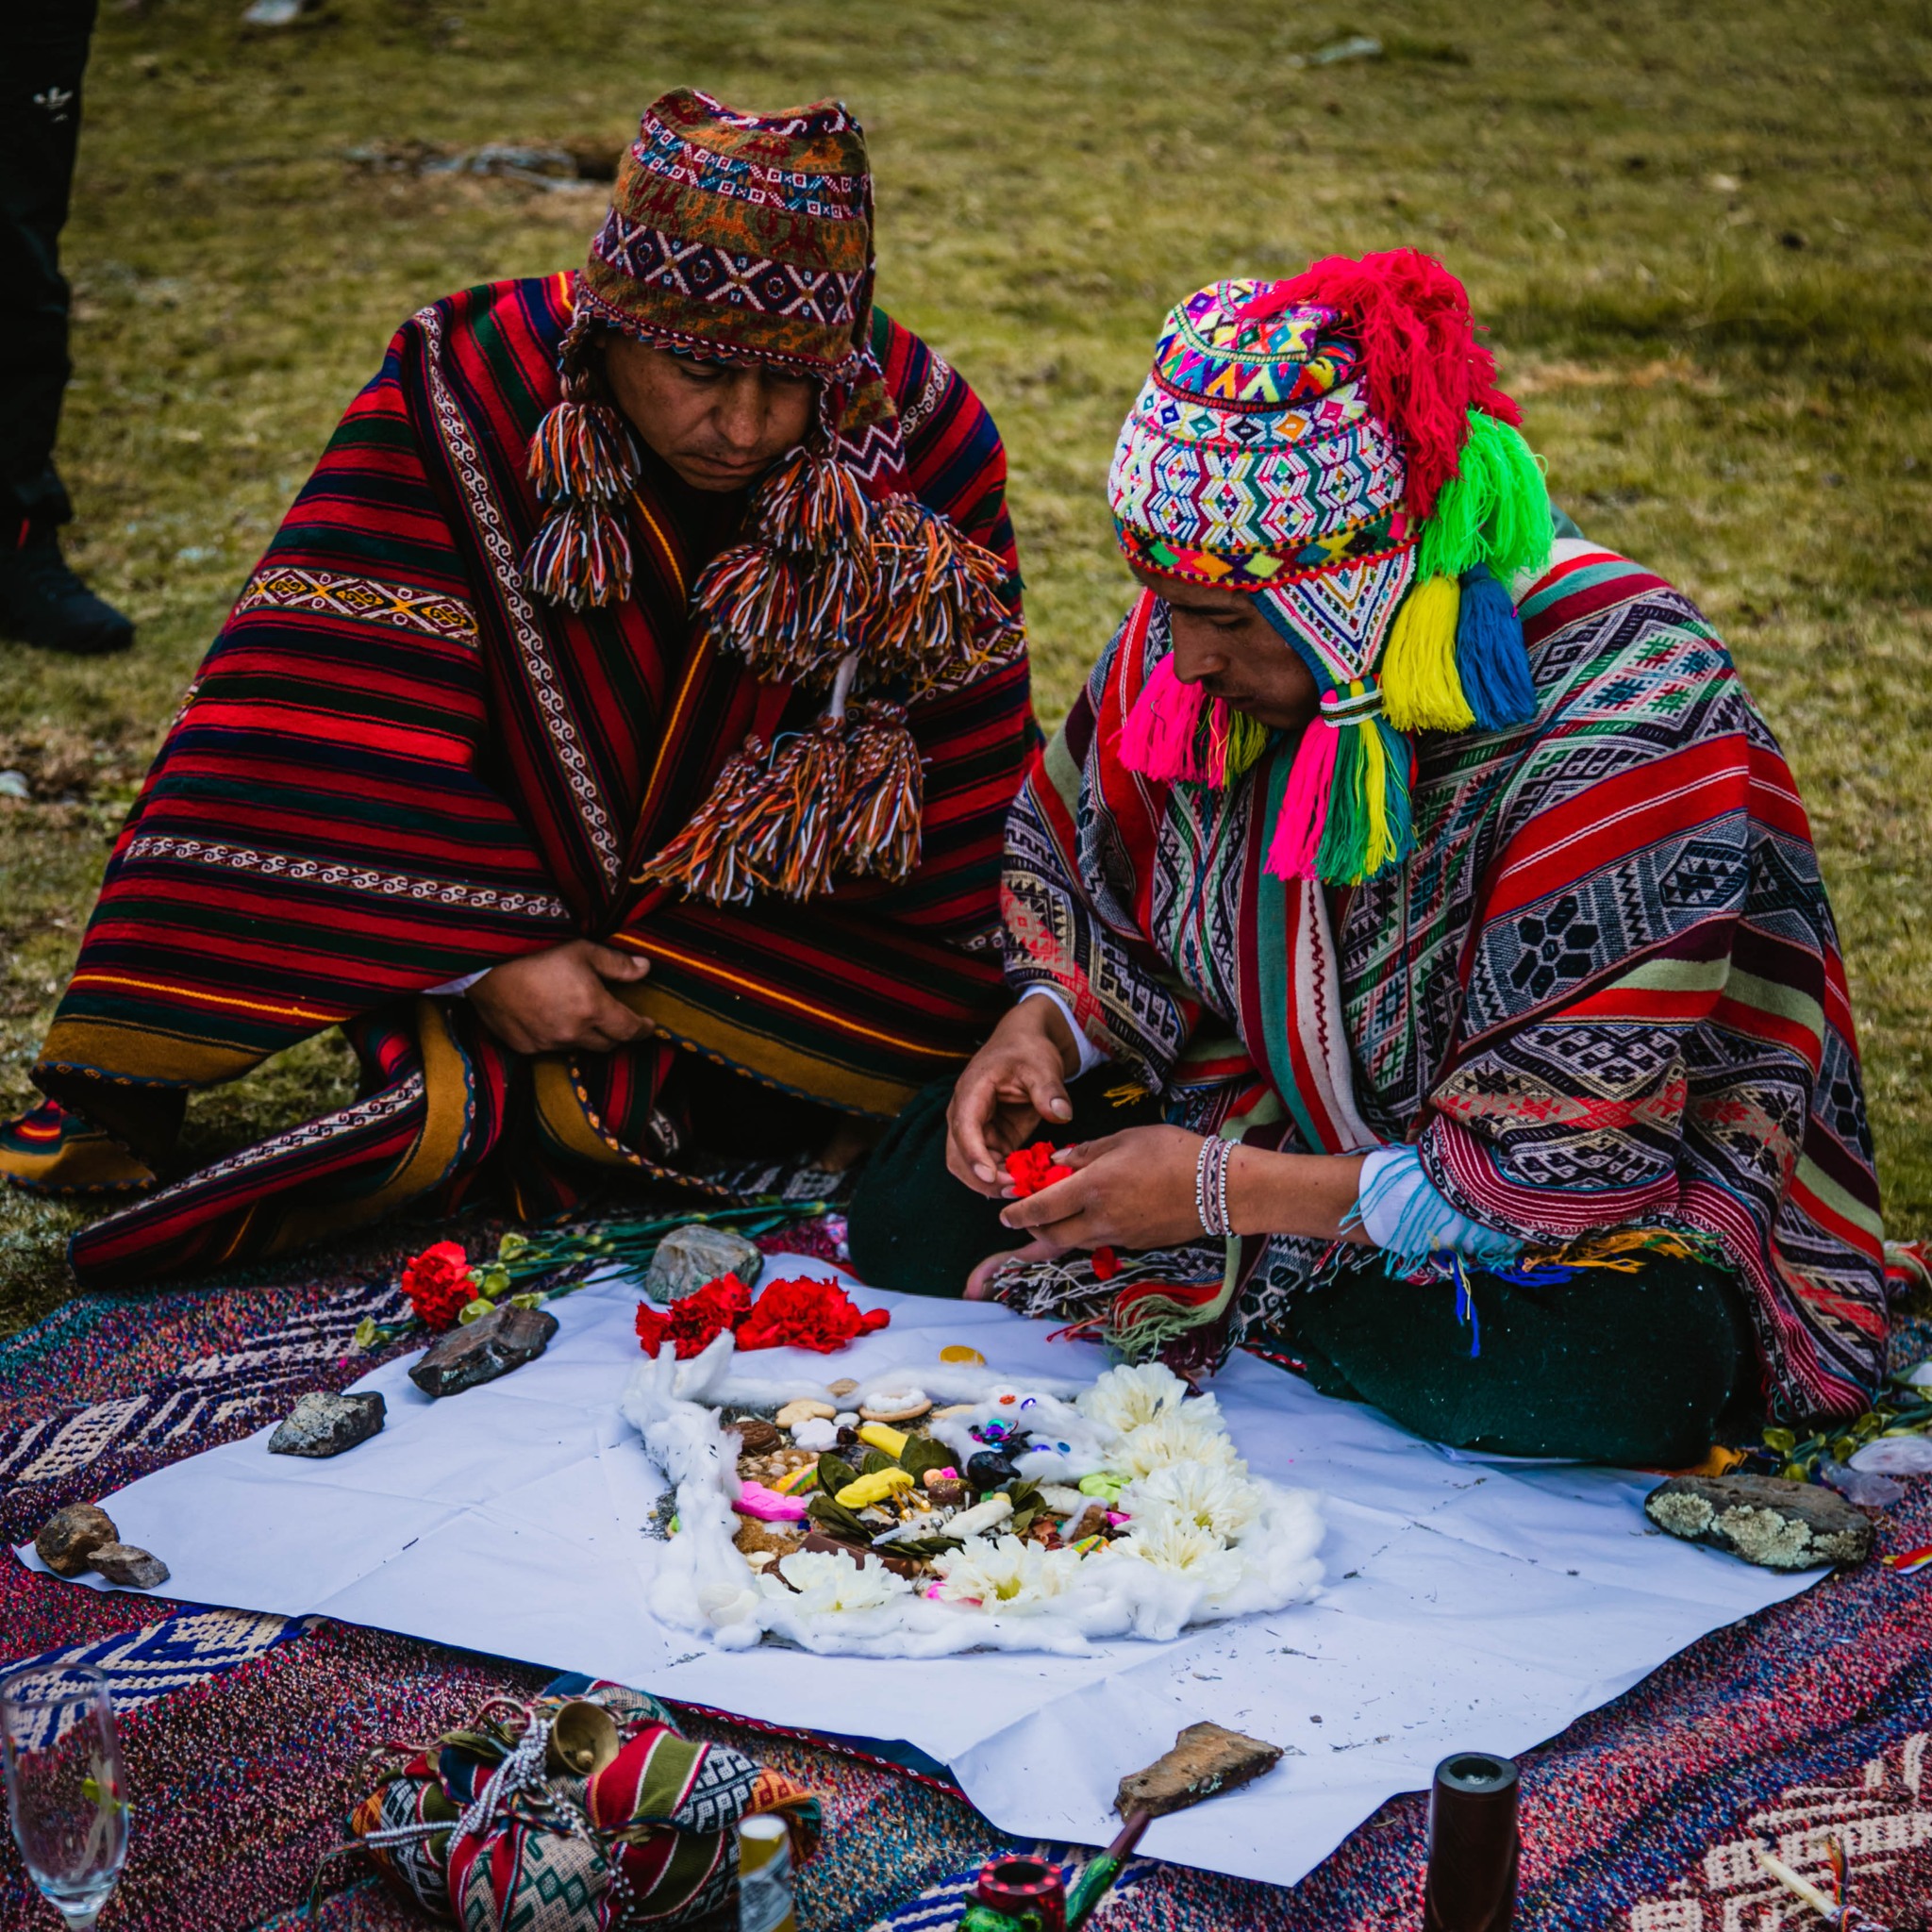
(583, 1739)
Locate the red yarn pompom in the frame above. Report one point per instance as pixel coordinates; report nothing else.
(1424, 365)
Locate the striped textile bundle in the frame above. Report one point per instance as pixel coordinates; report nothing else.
(479, 1826)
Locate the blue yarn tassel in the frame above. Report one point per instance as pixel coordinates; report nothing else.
(1491, 660)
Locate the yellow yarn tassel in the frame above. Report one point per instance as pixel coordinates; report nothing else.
(1381, 841)
(1421, 690)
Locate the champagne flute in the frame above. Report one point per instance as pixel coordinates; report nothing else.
(64, 1786)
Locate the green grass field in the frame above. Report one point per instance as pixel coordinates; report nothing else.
(1701, 235)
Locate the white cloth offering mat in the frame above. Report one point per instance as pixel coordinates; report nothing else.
(1465, 1605)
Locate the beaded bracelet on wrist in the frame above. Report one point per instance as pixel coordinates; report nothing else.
(1210, 1185)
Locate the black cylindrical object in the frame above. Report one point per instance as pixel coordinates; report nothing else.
(1470, 1886)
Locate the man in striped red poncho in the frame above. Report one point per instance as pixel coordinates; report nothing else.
(1440, 916)
(615, 741)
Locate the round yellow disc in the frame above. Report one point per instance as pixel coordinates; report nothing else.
(959, 1352)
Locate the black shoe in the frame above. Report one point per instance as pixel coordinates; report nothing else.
(43, 602)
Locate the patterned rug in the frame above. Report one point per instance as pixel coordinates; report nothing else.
(1802, 1725)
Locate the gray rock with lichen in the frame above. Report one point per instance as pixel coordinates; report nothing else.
(1766, 1520)
(325, 1425)
(694, 1255)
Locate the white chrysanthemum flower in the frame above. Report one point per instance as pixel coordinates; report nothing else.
(1127, 1398)
(1193, 1434)
(1173, 1543)
(1004, 1576)
(1211, 1495)
(830, 1580)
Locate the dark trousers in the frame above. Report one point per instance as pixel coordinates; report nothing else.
(42, 56)
(1647, 1367)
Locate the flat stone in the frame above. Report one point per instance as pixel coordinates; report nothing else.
(690, 1256)
(1766, 1520)
(129, 1568)
(69, 1537)
(482, 1350)
(1206, 1758)
(322, 1425)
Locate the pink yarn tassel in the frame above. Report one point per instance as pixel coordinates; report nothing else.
(1158, 737)
(1305, 805)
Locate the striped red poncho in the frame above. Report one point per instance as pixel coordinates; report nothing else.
(396, 767)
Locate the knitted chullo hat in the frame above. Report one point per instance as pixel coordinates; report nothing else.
(1334, 445)
(746, 237)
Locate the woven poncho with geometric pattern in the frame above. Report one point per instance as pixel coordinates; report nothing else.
(1602, 993)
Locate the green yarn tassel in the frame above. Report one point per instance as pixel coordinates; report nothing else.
(1494, 510)
(1371, 820)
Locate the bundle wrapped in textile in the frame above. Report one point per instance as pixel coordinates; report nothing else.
(585, 1810)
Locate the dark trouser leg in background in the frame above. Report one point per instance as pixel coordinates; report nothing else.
(1643, 1369)
(44, 49)
(915, 1228)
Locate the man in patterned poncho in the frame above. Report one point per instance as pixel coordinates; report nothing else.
(658, 620)
(1501, 1065)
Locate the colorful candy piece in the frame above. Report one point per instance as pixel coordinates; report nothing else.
(886, 1439)
(768, 1505)
(864, 1490)
(797, 1479)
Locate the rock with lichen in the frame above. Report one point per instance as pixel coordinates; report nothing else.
(1766, 1520)
(322, 1423)
(692, 1256)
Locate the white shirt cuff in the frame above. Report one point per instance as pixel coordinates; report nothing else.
(449, 989)
(1091, 1056)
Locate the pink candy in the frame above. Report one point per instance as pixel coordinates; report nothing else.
(768, 1505)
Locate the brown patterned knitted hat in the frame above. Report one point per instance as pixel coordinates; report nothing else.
(745, 236)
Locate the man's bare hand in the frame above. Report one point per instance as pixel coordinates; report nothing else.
(1134, 1188)
(1014, 1082)
(560, 1001)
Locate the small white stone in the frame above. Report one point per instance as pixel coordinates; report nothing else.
(845, 1418)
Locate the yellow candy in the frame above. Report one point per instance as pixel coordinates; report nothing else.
(867, 1489)
(959, 1352)
(890, 1440)
(864, 1490)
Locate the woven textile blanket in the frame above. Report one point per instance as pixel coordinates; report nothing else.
(1801, 1724)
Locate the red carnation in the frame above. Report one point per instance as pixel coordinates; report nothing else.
(806, 1313)
(1033, 1167)
(438, 1285)
(696, 1320)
